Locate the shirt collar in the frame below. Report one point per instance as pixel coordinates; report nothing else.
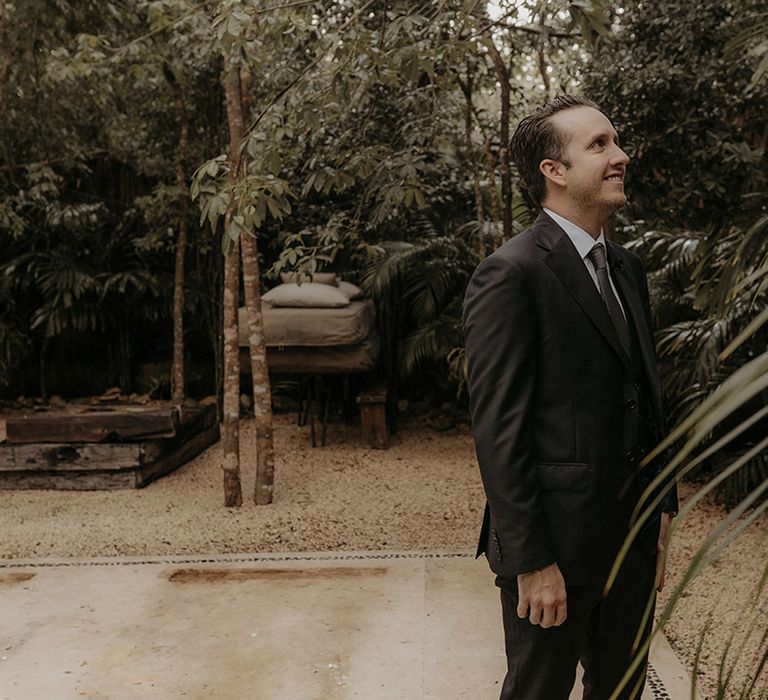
(579, 237)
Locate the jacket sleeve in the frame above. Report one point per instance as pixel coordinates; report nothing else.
(669, 503)
(501, 337)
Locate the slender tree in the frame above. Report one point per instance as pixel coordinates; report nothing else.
(466, 87)
(231, 419)
(502, 76)
(177, 372)
(5, 54)
(262, 394)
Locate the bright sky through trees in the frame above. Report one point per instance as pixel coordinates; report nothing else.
(495, 11)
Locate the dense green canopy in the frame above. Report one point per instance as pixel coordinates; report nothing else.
(377, 147)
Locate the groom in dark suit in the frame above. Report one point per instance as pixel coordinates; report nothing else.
(565, 401)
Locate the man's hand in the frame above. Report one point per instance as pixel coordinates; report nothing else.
(543, 591)
(661, 551)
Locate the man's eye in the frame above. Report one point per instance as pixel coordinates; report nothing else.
(599, 142)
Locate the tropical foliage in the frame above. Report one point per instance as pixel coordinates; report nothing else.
(698, 205)
(687, 108)
(89, 202)
(375, 146)
(367, 117)
(709, 274)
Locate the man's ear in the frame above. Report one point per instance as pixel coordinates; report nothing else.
(554, 171)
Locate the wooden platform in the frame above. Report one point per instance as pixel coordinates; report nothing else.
(122, 447)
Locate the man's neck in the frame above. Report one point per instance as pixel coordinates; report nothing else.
(592, 223)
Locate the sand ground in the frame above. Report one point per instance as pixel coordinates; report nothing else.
(423, 493)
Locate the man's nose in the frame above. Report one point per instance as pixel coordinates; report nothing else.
(619, 157)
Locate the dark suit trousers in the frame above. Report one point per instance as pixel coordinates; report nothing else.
(598, 631)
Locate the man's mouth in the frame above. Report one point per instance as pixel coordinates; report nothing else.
(615, 178)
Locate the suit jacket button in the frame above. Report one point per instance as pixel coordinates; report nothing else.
(631, 404)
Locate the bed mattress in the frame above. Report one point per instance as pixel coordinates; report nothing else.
(329, 359)
(295, 327)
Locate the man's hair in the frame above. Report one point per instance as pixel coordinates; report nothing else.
(536, 139)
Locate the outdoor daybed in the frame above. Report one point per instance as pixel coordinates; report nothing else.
(316, 329)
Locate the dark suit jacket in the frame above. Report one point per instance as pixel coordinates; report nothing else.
(554, 404)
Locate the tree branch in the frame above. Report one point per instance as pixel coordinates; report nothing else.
(195, 8)
(160, 30)
(525, 28)
(304, 72)
(539, 30)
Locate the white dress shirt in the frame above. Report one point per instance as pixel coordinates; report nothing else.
(583, 243)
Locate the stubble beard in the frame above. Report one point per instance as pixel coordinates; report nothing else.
(590, 201)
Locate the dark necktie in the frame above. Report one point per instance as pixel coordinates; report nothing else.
(597, 256)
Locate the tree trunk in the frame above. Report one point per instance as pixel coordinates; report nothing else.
(466, 87)
(5, 55)
(231, 423)
(480, 11)
(215, 307)
(543, 70)
(490, 167)
(177, 372)
(233, 495)
(262, 393)
(502, 73)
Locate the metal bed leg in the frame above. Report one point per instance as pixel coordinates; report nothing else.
(311, 409)
(326, 409)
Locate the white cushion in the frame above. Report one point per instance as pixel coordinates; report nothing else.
(306, 294)
(319, 277)
(351, 291)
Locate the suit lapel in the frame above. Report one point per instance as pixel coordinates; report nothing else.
(565, 262)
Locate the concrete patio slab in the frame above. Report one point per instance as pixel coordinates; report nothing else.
(315, 626)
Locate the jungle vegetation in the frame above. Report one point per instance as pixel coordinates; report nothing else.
(162, 160)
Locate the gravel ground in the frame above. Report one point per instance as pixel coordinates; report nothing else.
(423, 493)
(722, 598)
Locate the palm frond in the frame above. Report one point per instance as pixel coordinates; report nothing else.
(751, 42)
(384, 271)
(522, 217)
(428, 344)
(422, 227)
(479, 232)
(459, 369)
(59, 314)
(141, 281)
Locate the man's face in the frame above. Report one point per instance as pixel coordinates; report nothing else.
(596, 165)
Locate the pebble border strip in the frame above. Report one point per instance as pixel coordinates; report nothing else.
(654, 682)
(10, 564)
(658, 690)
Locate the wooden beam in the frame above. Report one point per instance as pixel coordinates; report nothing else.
(69, 457)
(189, 449)
(88, 466)
(92, 426)
(194, 421)
(69, 481)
